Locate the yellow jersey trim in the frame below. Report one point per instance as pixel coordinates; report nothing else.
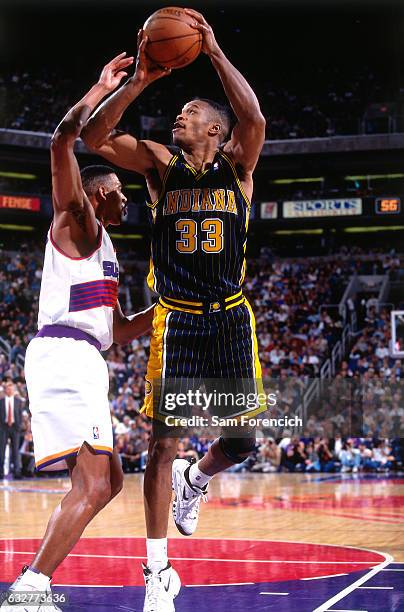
(235, 303)
(163, 185)
(232, 297)
(185, 302)
(163, 303)
(195, 172)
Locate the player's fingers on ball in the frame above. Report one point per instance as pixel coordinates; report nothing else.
(198, 16)
(193, 12)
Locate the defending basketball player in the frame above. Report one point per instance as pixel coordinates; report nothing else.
(203, 327)
(79, 316)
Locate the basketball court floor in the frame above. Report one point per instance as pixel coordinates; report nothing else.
(281, 542)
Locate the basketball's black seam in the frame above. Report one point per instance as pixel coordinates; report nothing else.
(152, 42)
(177, 57)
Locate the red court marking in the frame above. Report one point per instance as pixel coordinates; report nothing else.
(199, 561)
(370, 508)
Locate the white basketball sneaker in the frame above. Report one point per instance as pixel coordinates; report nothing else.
(23, 591)
(162, 587)
(187, 498)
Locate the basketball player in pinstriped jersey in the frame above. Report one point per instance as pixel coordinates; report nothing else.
(79, 315)
(203, 327)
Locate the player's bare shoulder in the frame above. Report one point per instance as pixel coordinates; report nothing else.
(159, 154)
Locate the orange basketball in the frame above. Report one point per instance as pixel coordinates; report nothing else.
(172, 42)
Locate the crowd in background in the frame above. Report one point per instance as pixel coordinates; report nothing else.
(337, 103)
(358, 413)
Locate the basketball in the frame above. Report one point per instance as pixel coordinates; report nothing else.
(172, 42)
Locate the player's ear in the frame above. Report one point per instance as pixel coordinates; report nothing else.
(101, 194)
(215, 129)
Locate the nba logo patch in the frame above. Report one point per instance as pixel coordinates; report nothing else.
(96, 433)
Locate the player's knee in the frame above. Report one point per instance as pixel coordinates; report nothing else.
(237, 450)
(95, 491)
(164, 450)
(100, 494)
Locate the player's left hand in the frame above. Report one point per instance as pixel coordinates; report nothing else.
(209, 44)
(147, 71)
(113, 72)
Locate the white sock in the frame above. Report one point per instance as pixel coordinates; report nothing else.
(34, 579)
(198, 478)
(156, 554)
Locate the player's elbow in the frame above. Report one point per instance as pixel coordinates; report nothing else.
(65, 134)
(258, 120)
(92, 141)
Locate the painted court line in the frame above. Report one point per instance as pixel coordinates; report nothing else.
(90, 586)
(331, 562)
(216, 585)
(377, 588)
(333, 600)
(320, 577)
(274, 593)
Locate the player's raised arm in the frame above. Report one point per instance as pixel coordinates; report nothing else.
(249, 133)
(99, 134)
(68, 194)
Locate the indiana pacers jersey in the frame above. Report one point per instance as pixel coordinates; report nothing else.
(199, 231)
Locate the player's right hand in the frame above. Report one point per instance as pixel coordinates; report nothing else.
(147, 71)
(113, 72)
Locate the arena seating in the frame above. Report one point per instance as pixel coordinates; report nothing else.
(296, 332)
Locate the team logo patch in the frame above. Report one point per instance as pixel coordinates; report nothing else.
(96, 433)
(148, 387)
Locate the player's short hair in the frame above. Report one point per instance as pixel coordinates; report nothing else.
(93, 177)
(222, 114)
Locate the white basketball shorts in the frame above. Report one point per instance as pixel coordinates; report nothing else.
(67, 383)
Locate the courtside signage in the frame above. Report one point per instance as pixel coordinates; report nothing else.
(20, 203)
(322, 208)
(269, 210)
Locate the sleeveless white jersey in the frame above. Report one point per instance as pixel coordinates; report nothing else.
(80, 292)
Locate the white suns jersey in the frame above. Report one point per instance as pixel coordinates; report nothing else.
(80, 292)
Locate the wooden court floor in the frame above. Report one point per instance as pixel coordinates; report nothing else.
(305, 522)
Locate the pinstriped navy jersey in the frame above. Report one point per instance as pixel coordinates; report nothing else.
(199, 231)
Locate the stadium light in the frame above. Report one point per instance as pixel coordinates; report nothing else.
(18, 228)
(126, 236)
(289, 181)
(290, 232)
(378, 228)
(19, 175)
(365, 177)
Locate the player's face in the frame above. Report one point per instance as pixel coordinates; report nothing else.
(192, 124)
(115, 200)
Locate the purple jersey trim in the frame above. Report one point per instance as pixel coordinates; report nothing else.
(64, 331)
(40, 467)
